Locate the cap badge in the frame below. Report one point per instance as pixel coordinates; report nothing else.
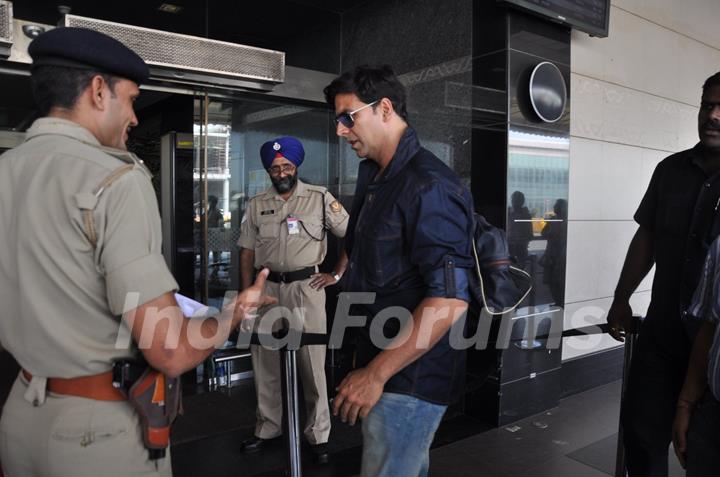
(276, 146)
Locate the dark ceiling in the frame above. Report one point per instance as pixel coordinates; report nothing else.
(309, 31)
(258, 23)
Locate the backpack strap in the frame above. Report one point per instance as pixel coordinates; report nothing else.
(87, 201)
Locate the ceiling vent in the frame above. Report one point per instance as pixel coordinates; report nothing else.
(188, 59)
(6, 28)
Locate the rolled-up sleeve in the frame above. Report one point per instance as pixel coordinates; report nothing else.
(439, 238)
(130, 250)
(646, 213)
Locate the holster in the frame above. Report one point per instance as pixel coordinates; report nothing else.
(157, 400)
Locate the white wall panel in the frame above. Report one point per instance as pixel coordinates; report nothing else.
(645, 56)
(595, 255)
(607, 181)
(694, 18)
(612, 113)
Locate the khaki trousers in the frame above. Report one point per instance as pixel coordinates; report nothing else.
(307, 306)
(73, 437)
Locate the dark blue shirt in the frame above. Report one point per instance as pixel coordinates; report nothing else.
(408, 239)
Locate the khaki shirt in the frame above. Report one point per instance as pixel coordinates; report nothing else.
(264, 227)
(61, 298)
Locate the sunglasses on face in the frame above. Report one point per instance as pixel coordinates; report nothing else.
(285, 168)
(347, 119)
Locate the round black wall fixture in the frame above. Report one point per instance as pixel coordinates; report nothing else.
(548, 93)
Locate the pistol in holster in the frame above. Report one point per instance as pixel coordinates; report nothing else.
(157, 400)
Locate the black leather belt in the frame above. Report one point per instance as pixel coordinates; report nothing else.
(289, 277)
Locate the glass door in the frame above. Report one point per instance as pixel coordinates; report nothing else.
(228, 172)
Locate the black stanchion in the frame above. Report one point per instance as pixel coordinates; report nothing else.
(288, 366)
(630, 343)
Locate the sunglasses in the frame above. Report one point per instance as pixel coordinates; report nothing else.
(347, 119)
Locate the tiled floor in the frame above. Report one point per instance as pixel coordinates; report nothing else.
(577, 439)
(583, 426)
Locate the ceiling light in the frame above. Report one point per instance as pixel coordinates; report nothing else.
(169, 8)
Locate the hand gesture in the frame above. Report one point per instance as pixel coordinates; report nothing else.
(252, 298)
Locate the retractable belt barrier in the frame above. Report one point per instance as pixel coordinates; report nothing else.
(288, 366)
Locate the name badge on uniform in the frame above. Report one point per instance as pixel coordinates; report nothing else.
(293, 226)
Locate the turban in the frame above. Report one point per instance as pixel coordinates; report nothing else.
(287, 147)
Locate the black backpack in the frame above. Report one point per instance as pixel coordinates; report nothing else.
(497, 285)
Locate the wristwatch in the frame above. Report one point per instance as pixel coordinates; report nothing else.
(337, 277)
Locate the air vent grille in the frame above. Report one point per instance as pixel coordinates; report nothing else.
(6, 23)
(184, 52)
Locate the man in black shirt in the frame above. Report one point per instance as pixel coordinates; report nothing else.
(676, 226)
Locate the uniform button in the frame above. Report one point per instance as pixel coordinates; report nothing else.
(684, 313)
(707, 184)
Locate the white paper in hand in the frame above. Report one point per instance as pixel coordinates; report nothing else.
(191, 308)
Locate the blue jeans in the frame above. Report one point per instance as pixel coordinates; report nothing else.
(397, 435)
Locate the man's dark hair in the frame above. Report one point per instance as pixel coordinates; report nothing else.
(370, 83)
(60, 86)
(714, 80)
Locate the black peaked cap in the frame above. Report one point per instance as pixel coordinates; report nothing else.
(87, 49)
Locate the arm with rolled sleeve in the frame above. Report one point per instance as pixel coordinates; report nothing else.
(439, 232)
(130, 255)
(336, 217)
(246, 242)
(130, 252)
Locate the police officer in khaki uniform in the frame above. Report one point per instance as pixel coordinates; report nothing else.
(284, 230)
(81, 269)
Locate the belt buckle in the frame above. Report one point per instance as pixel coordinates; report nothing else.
(283, 277)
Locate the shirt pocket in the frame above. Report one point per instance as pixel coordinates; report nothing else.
(386, 261)
(311, 227)
(269, 228)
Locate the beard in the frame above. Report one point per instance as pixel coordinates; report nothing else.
(284, 184)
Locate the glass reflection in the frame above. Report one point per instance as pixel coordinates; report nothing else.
(537, 211)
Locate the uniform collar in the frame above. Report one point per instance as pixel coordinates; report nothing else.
(62, 127)
(301, 190)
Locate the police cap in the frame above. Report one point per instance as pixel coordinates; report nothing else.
(87, 49)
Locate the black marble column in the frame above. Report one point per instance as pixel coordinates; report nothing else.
(520, 181)
(429, 45)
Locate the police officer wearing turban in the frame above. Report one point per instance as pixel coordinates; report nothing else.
(284, 229)
(81, 267)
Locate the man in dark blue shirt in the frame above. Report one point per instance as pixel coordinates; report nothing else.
(408, 242)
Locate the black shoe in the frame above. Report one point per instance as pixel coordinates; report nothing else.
(255, 444)
(320, 453)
